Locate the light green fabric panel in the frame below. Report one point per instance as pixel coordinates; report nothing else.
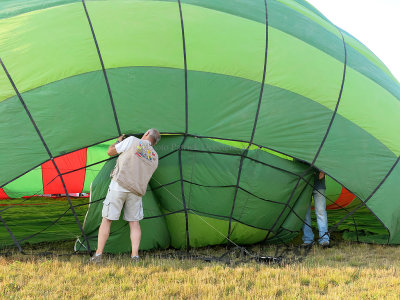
(26, 185)
(59, 37)
(221, 43)
(139, 33)
(296, 66)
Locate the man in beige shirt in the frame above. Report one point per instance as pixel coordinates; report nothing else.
(134, 167)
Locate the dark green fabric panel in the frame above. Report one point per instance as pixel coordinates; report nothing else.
(291, 123)
(167, 172)
(272, 183)
(354, 158)
(232, 101)
(256, 212)
(311, 8)
(170, 196)
(295, 219)
(212, 200)
(15, 157)
(149, 97)
(10, 8)
(77, 110)
(223, 171)
(224, 167)
(385, 203)
(167, 144)
(277, 186)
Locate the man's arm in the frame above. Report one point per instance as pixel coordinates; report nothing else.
(111, 150)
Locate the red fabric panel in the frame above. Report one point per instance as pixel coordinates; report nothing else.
(344, 199)
(66, 163)
(3, 194)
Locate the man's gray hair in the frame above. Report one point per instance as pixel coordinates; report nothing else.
(155, 135)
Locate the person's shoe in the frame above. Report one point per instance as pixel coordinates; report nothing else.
(135, 259)
(307, 245)
(325, 244)
(95, 259)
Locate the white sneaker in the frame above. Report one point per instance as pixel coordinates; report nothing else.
(95, 259)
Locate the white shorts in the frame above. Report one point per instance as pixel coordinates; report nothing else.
(115, 200)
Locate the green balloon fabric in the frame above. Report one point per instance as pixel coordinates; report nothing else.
(224, 82)
(209, 203)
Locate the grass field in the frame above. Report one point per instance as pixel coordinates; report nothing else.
(345, 271)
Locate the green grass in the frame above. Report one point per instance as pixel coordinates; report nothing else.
(345, 271)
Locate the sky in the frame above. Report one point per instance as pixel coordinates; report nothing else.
(375, 23)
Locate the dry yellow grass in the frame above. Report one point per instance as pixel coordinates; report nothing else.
(347, 271)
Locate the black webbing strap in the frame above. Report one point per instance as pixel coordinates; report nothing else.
(244, 154)
(186, 129)
(46, 147)
(11, 234)
(103, 68)
(337, 103)
(323, 140)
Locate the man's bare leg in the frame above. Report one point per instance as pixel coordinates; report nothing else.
(104, 232)
(136, 234)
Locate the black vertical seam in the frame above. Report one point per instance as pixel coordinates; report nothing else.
(186, 128)
(324, 138)
(245, 152)
(103, 68)
(11, 234)
(46, 147)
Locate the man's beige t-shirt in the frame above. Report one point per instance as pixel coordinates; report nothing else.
(135, 166)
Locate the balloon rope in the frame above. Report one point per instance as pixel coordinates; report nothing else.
(103, 68)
